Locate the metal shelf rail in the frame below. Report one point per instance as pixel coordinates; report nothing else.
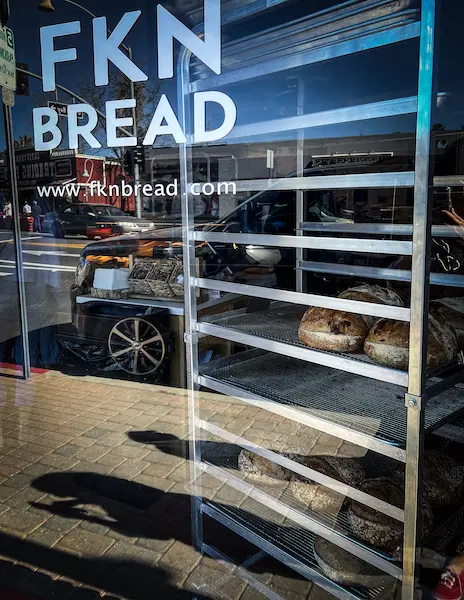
(352, 27)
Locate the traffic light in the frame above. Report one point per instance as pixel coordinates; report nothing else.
(4, 12)
(129, 162)
(22, 80)
(139, 154)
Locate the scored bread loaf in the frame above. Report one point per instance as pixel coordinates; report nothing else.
(258, 467)
(340, 331)
(388, 343)
(333, 330)
(318, 497)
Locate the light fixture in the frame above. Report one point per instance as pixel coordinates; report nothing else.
(46, 6)
(85, 173)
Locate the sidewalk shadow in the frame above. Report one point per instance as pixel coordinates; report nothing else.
(166, 442)
(132, 579)
(136, 510)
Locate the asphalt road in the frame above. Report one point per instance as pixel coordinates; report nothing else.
(49, 267)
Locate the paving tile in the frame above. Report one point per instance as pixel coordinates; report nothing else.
(93, 453)
(180, 474)
(61, 525)
(159, 483)
(134, 552)
(85, 542)
(58, 462)
(19, 520)
(68, 450)
(158, 470)
(83, 441)
(179, 561)
(130, 468)
(6, 492)
(45, 536)
(110, 460)
(96, 433)
(157, 546)
(126, 451)
(215, 582)
(24, 498)
(20, 481)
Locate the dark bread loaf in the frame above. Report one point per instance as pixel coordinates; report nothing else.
(452, 310)
(372, 293)
(442, 479)
(340, 331)
(388, 343)
(346, 568)
(376, 528)
(318, 497)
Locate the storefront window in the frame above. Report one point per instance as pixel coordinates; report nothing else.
(231, 278)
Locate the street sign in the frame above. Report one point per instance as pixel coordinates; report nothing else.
(8, 97)
(62, 109)
(7, 59)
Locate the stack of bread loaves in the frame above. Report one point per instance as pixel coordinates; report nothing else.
(340, 331)
(384, 340)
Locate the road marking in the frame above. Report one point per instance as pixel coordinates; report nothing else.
(38, 266)
(10, 235)
(40, 252)
(57, 245)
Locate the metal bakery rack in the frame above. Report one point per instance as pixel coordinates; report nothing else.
(379, 409)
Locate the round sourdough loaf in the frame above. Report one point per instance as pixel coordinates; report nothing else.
(372, 293)
(388, 343)
(346, 569)
(376, 528)
(442, 479)
(333, 330)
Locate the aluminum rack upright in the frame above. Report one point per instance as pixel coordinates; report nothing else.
(349, 28)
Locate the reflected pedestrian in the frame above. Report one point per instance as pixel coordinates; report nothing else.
(37, 213)
(8, 212)
(27, 209)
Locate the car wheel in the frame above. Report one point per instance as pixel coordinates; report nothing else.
(136, 346)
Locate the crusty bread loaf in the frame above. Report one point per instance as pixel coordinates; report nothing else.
(340, 331)
(442, 479)
(318, 497)
(372, 293)
(333, 330)
(376, 528)
(452, 310)
(258, 467)
(388, 343)
(345, 568)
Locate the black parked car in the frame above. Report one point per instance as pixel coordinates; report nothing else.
(94, 221)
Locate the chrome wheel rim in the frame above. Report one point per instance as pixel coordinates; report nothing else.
(136, 346)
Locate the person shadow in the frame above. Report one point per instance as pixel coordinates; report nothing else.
(165, 442)
(124, 577)
(135, 510)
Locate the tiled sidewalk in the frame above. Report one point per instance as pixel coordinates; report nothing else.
(92, 503)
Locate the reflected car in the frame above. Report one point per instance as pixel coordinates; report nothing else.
(94, 221)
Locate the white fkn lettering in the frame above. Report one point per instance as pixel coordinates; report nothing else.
(107, 49)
